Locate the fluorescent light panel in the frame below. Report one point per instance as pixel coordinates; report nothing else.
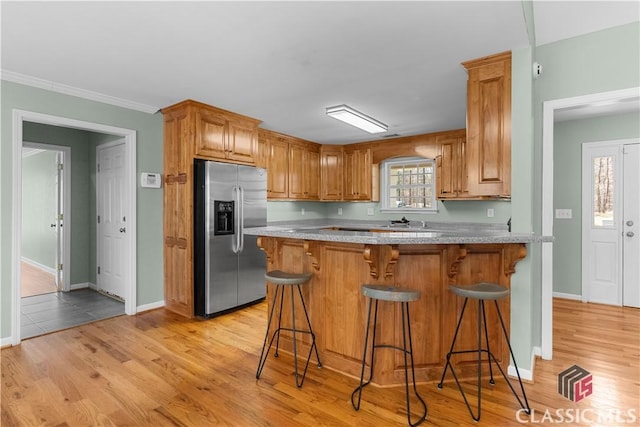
(355, 118)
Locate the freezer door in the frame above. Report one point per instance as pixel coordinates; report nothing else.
(252, 261)
(221, 289)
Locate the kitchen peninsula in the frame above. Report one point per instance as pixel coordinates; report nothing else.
(342, 257)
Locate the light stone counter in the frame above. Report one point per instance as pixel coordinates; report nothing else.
(384, 234)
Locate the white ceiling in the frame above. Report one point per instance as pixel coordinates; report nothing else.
(284, 62)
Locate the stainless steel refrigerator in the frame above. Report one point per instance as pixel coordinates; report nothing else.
(228, 266)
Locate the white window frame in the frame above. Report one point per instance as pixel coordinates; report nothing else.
(385, 166)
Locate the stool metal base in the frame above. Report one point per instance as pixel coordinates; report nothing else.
(276, 334)
(406, 333)
(482, 320)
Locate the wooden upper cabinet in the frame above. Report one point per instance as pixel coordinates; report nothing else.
(304, 171)
(489, 125)
(331, 172)
(277, 167)
(451, 182)
(222, 135)
(357, 172)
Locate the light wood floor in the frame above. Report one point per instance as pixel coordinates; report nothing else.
(35, 281)
(159, 369)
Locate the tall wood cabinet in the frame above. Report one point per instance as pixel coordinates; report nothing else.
(488, 146)
(192, 129)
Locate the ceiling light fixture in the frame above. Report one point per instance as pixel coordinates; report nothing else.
(355, 118)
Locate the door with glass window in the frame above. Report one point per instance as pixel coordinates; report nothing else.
(610, 193)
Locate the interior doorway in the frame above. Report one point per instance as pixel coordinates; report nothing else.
(584, 103)
(129, 141)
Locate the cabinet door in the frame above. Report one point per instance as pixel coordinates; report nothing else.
(447, 168)
(277, 174)
(331, 174)
(489, 127)
(211, 132)
(312, 172)
(297, 155)
(241, 142)
(357, 174)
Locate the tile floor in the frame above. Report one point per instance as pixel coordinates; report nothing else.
(46, 313)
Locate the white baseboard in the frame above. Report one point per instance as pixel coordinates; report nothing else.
(151, 306)
(567, 296)
(5, 342)
(525, 374)
(36, 264)
(82, 286)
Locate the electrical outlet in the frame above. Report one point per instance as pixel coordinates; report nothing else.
(302, 211)
(490, 213)
(369, 211)
(564, 213)
(339, 211)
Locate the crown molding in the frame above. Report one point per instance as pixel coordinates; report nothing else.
(24, 79)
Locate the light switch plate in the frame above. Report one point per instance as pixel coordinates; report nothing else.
(564, 213)
(369, 211)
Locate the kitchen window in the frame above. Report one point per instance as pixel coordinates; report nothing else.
(408, 185)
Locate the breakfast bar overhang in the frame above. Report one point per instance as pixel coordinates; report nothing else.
(342, 260)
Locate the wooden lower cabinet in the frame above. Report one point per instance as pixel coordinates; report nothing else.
(337, 307)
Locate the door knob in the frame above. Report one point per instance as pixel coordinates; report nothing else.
(52, 225)
(122, 230)
(630, 234)
(629, 223)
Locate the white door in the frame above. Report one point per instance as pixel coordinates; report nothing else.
(112, 219)
(601, 243)
(610, 245)
(631, 226)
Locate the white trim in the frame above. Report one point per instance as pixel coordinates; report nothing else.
(66, 208)
(548, 110)
(49, 85)
(6, 342)
(562, 295)
(525, 374)
(84, 285)
(151, 306)
(130, 137)
(385, 184)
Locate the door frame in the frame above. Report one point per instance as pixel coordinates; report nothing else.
(129, 135)
(66, 206)
(548, 114)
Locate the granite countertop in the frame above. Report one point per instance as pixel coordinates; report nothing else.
(394, 234)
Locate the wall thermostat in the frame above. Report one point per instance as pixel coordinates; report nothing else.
(150, 180)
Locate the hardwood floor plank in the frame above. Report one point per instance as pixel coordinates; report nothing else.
(159, 369)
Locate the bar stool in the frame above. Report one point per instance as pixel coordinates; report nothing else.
(283, 279)
(483, 291)
(403, 296)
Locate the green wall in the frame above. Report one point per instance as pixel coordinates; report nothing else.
(39, 208)
(567, 153)
(148, 129)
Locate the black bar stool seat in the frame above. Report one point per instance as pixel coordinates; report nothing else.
(282, 279)
(393, 294)
(492, 292)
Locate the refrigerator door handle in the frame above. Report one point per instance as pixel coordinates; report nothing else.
(235, 242)
(241, 224)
